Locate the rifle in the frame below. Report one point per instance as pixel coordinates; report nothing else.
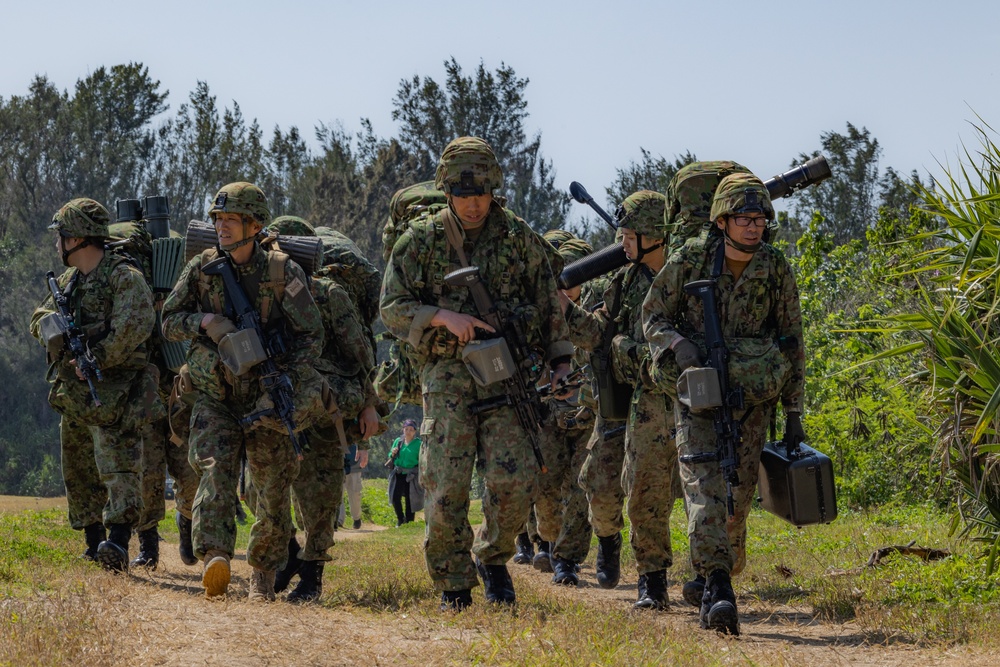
(277, 384)
(727, 428)
(86, 363)
(519, 392)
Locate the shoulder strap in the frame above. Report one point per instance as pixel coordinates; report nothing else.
(274, 287)
(205, 283)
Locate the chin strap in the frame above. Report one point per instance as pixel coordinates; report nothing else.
(67, 253)
(247, 239)
(742, 247)
(641, 251)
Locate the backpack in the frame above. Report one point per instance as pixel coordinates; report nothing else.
(689, 200)
(406, 205)
(344, 262)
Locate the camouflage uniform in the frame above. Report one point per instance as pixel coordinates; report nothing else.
(755, 311)
(601, 476)
(217, 437)
(650, 458)
(101, 446)
(515, 269)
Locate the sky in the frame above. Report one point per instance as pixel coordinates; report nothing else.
(754, 82)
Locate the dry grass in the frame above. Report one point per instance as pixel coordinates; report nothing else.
(379, 607)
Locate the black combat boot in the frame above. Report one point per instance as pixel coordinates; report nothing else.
(609, 556)
(499, 589)
(565, 572)
(94, 534)
(654, 594)
(456, 600)
(310, 585)
(694, 590)
(292, 567)
(112, 553)
(543, 560)
(149, 549)
(718, 606)
(185, 548)
(525, 551)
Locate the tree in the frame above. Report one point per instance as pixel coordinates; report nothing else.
(490, 105)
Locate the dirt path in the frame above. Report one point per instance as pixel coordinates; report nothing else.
(162, 618)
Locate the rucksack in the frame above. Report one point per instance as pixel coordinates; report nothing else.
(344, 262)
(689, 200)
(408, 204)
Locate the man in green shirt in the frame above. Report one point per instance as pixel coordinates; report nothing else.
(404, 458)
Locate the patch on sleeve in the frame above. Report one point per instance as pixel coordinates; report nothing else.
(293, 288)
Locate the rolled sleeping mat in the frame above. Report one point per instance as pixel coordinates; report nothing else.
(307, 251)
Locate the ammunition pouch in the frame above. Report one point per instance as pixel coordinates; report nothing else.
(489, 361)
(698, 389)
(758, 366)
(613, 397)
(241, 350)
(52, 329)
(145, 403)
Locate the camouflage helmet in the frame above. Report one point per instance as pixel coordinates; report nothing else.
(468, 167)
(569, 247)
(290, 225)
(741, 193)
(242, 198)
(82, 217)
(643, 212)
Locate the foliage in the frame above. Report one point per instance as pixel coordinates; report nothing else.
(955, 322)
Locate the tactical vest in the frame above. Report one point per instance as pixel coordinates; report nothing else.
(267, 293)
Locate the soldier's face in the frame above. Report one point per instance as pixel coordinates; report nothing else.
(630, 242)
(749, 235)
(229, 228)
(471, 210)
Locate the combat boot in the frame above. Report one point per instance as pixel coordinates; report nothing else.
(694, 590)
(609, 556)
(292, 567)
(112, 553)
(185, 547)
(310, 585)
(149, 549)
(564, 572)
(718, 606)
(94, 534)
(525, 551)
(262, 585)
(456, 600)
(499, 589)
(543, 560)
(216, 576)
(654, 594)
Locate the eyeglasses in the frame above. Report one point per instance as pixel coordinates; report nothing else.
(745, 220)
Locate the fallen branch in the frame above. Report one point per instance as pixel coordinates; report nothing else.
(923, 553)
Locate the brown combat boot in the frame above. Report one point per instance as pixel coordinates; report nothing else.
(216, 576)
(262, 585)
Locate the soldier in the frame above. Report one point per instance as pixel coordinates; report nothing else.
(438, 320)
(560, 503)
(347, 364)
(159, 454)
(101, 445)
(650, 464)
(758, 304)
(199, 309)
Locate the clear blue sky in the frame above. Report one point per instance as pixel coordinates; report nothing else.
(757, 82)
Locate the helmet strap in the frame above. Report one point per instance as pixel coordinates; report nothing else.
(66, 253)
(742, 247)
(642, 251)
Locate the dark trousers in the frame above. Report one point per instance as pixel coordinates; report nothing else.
(401, 492)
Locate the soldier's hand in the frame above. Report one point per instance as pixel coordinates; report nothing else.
(368, 421)
(463, 326)
(361, 457)
(686, 353)
(794, 433)
(218, 327)
(563, 301)
(79, 374)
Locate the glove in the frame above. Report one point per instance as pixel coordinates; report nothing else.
(219, 327)
(686, 354)
(794, 435)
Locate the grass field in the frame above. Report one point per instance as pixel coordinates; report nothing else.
(806, 596)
